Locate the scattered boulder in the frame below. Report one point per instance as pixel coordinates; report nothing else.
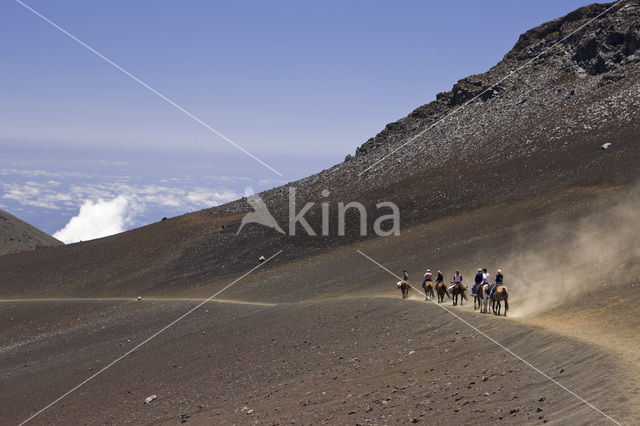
(148, 399)
(605, 146)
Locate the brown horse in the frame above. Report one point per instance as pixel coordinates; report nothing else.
(441, 290)
(428, 290)
(404, 287)
(501, 294)
(482, 297)
(458, 289)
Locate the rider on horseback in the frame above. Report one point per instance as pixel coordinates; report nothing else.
(428, 276)
(477, 281)
(499, 279)
(457, 279)
(439, 278)
(485, 276)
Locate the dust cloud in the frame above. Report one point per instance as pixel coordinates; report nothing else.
(581, 258)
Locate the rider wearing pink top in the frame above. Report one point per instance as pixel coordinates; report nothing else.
(457, 278)
(427, 277)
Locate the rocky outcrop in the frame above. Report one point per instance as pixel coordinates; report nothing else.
(602, 47)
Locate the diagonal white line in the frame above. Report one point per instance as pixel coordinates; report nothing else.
(533, 367)
(147, 340)
(455, 111)
(146, 86)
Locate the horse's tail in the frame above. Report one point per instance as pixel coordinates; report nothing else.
(505, 295)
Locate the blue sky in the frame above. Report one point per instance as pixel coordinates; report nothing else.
(300, 84)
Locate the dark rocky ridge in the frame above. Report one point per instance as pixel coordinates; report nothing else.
(17, 236)
(605, 46)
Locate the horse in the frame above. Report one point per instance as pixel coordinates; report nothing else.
(482, 297)
(477, 297)
(427, 286)
(501, 294)
(441, 290)
(404, 287)
(458, 289)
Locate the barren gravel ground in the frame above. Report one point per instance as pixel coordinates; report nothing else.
(335, 343)
(354, 360)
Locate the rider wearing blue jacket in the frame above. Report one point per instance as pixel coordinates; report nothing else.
(478, 279)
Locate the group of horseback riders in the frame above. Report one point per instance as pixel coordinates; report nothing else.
(482, 277)
(479, 289)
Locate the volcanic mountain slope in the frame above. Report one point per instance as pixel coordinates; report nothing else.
(540, 129)
(327, 338)
(515, 180)
(17, 236)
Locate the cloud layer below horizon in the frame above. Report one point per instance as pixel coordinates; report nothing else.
(82, 206)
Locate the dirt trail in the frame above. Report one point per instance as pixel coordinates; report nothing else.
(133, 299)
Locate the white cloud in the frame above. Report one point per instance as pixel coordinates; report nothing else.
(95, 220)
(35, 195)
(103, 218)
(199, 197)
(272, 182)
(81, 197)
